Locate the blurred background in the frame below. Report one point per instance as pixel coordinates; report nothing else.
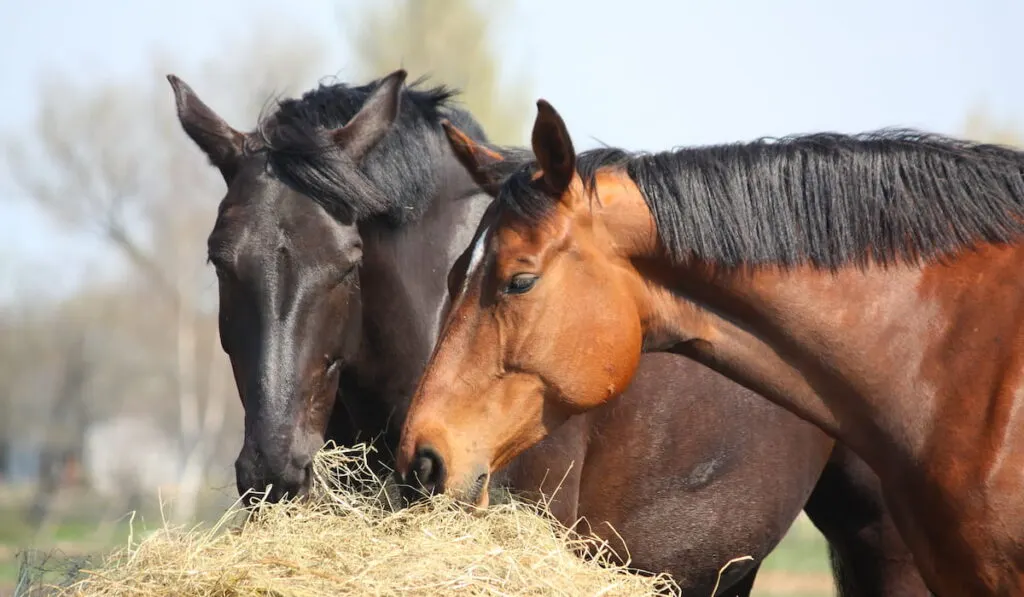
(114, 392)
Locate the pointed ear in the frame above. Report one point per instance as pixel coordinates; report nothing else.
(475, 158)
(553, 148)
(221, 143)
(373, 120)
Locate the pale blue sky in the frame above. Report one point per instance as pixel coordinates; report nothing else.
(643, 74)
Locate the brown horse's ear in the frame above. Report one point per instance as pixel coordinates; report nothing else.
(553, 149)
(221, 143)
(474, 157)
(373, 120)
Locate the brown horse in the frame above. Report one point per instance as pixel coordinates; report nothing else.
(871, 284)
(342, 215)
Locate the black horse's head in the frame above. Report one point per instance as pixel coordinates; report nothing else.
(288, 279)
(300, 306)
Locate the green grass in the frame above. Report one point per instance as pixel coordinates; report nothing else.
(802, 550)
(70, 542)
(8, 574)
(802, 557)
(83, 527)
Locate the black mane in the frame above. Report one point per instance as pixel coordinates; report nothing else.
(397, 178)
(824, 199)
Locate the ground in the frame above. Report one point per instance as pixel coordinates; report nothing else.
(798, 567)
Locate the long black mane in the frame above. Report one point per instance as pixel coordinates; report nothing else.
(396, 179)
(824, 199)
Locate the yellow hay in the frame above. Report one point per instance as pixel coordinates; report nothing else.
(342, 542)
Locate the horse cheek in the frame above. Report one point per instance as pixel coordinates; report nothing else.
(612, 363)
(621, 368)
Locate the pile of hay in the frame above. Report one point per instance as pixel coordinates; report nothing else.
(345, 543)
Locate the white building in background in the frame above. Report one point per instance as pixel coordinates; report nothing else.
(127, 454)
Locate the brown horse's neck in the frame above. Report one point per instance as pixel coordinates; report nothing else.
(853, 351)
(887, 361)
(804, 341)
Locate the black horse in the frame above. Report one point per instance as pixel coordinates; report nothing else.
(344, 214)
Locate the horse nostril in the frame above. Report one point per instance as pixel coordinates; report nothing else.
(428, 469)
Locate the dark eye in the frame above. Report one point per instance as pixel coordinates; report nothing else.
(521, 283)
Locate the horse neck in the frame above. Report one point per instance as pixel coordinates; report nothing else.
(807, 340)
(864, 353)
(404, 288)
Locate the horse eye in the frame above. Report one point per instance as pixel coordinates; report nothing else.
(521, 283)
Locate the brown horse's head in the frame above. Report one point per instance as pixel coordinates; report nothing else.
(545, 318)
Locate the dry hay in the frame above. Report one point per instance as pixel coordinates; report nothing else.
(346, 543)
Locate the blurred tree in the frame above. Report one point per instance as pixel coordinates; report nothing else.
(452, 42)
(112, 159)
(67, 425)
(981, 126)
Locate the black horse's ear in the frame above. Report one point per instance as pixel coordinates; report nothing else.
(221, 143)
(474, 157)
(553, 149)
(373, 120)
